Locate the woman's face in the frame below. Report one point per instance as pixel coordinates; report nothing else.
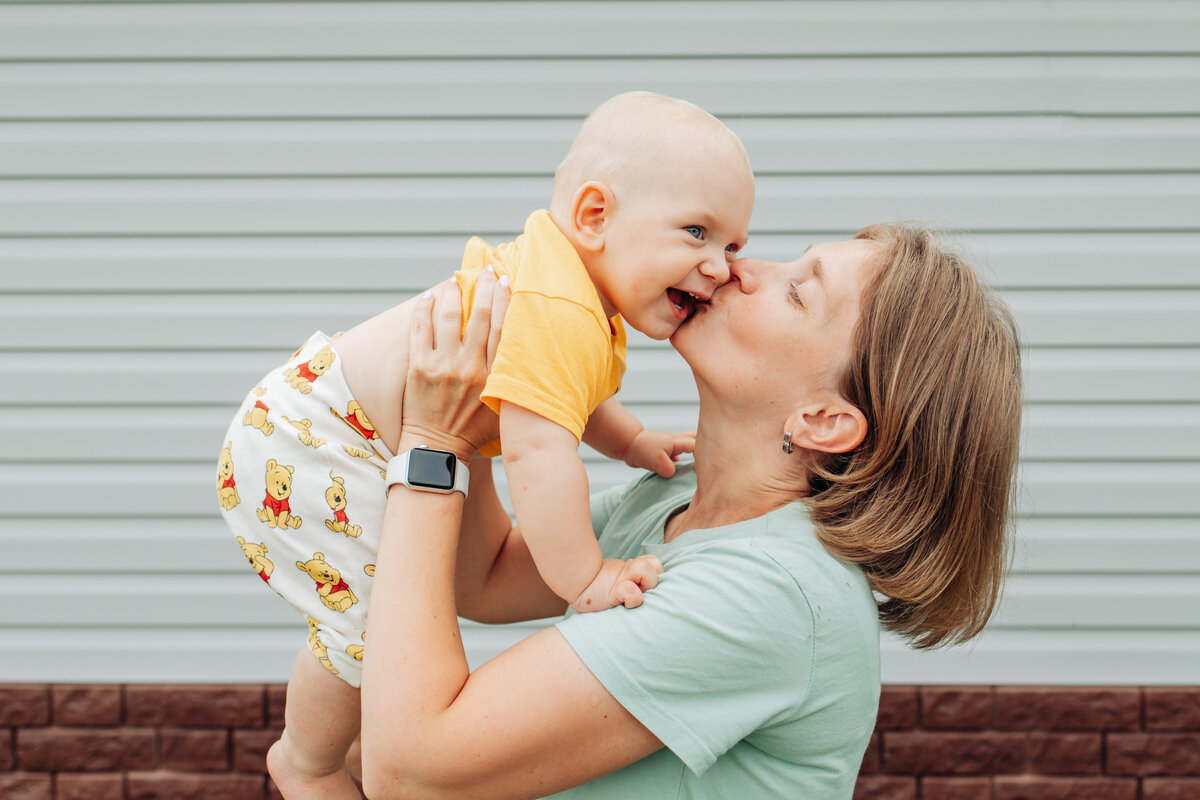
(775, 329)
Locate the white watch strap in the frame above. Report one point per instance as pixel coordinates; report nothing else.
(397, 472)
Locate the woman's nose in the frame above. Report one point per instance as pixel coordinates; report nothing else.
(716, 268)
(747, 272)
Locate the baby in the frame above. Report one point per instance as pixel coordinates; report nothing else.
(649, 206)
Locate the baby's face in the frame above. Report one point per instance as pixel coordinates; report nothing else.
(669, 243)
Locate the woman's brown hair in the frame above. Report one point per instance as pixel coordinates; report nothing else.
(923, 505)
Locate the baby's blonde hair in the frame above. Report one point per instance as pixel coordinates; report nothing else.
(623, 142)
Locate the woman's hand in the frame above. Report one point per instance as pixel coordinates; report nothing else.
(446, 374)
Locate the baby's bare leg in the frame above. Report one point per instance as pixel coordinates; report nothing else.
(375, 365)
(321, 721)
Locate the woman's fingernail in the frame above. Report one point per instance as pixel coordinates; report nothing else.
(489, 268)
(427, 295)
(504, 281)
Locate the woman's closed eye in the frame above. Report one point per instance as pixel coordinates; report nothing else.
(794, 295)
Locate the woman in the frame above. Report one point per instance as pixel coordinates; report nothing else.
(859, 414)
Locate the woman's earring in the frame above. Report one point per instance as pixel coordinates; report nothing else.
(787, 442)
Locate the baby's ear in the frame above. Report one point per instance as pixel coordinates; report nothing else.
(590, 212)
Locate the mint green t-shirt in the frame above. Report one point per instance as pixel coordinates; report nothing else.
(755, 660)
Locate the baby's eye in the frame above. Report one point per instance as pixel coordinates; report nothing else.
(695, 230)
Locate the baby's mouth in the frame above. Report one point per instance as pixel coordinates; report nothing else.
(684, 303)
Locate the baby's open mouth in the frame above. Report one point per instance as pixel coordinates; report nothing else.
(684, 302)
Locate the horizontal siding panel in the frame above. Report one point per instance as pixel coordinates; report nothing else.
(187, 490)
(489, 30)
(192, 654)
(347, 206)
(1096, 489)
(1099, 601)
(1044, 546)
(656, 375)
(1108, 545)
(123, 549)
(405, 264)
(537, 88)
(1039, 657)
(1116, 432)
(176, 434)
(513, 146)
(190, 433)
(193, 321)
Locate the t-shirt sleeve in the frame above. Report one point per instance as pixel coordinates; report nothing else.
(722, 647)
(553, 359)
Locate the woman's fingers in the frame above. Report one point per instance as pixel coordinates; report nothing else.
(500, 298)
(447, 316)
(420, 332)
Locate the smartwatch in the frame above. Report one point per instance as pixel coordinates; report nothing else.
(428, 471)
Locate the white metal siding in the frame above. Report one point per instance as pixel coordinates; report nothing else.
(188, 189)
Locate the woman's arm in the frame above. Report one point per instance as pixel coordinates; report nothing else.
(496, 579)
(532, 721)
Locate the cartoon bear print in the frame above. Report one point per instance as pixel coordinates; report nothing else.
(318, 647)
(355, 651)
(302, 376)
(227, 493)
(257, 416)
(276, 511)
(335, 496)
(304, 432)
(256, 554)
(356, 419)
(335, 593)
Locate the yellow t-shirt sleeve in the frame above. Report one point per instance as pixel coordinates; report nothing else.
(553, 359)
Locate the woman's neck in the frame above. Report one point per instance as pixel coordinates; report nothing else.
(740, 475)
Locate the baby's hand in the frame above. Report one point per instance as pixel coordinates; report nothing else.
(619, 583)
(658, 451)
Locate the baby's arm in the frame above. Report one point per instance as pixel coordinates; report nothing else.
(549, 489)
(616, 433)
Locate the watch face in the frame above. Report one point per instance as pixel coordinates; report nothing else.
(432, 469)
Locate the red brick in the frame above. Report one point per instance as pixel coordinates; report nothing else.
(7, 759)
(25, 786)
(1031, 788)
(882, 787)
(1066, 753)
(24, 706)
(1170, 789)
(276, 701)
(85, 786)
(956, 788)
(927, 753)
(182, 786)
(1174, 754)
(1169, 709)
(954, 708)
(250, 749)
(86, 705)
(1065, 708)
(897, 708)
(84, 750)
(195, 706)
(194, 751)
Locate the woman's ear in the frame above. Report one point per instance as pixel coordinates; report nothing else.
(590, 212)
(835, 427)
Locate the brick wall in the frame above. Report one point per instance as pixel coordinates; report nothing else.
(108, 742)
